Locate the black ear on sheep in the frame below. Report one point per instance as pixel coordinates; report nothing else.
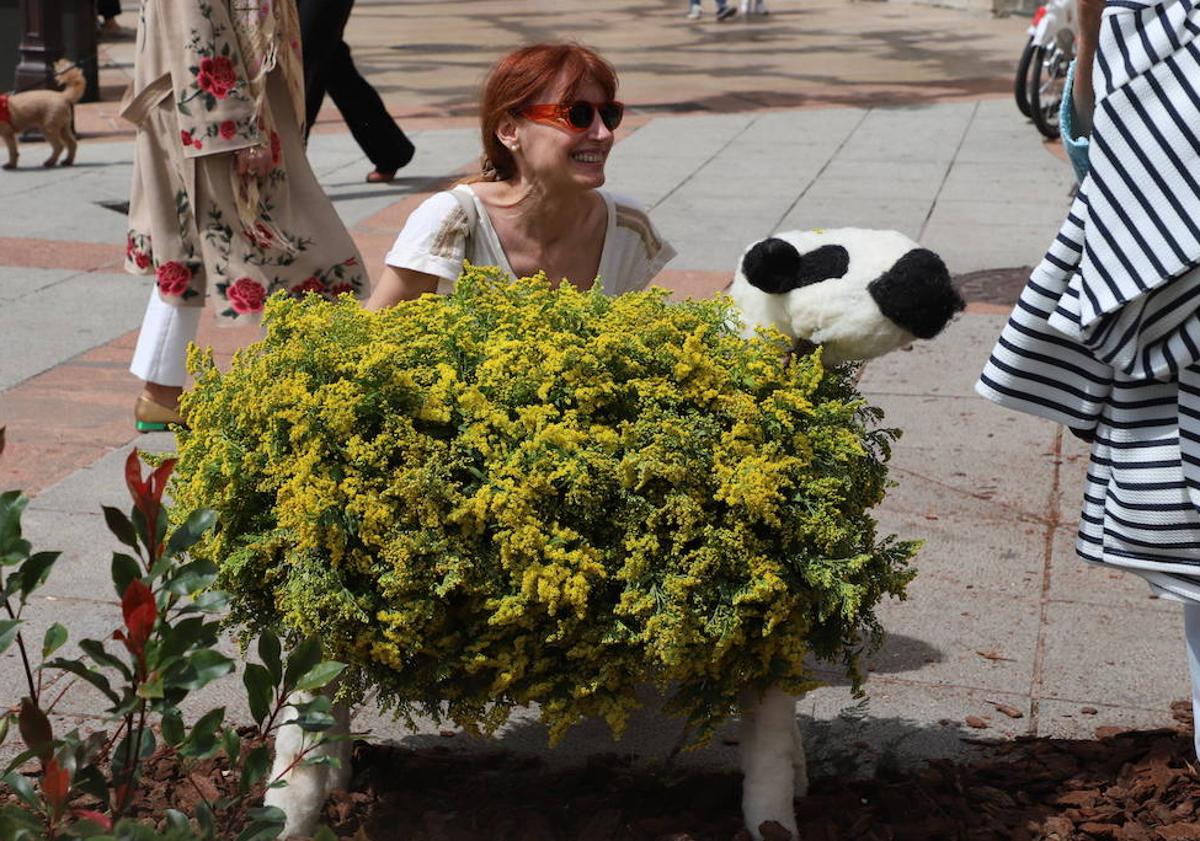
(916, 293)
(775, 266)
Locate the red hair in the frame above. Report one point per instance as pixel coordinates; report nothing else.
(516, 81)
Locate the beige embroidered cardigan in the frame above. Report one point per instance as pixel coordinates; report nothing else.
(212, 77)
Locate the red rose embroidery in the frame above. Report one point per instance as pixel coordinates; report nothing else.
(173, 278)
(341, 289)
(353, 261)
(185, 137)
(260, 235)
(196, 143)
(246, 295)
(228, 129)
(310, 285)
(276, 148)
(216, 76)
(141, 260)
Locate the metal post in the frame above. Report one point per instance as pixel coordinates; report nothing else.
(41, 44)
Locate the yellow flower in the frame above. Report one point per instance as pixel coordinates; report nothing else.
(519, 494)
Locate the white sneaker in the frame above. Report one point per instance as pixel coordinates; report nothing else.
(745, 8)
(760, 8)
(694, 13)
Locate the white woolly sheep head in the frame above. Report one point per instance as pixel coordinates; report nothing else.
(860, 293)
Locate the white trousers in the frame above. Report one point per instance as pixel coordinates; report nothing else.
(161, 353)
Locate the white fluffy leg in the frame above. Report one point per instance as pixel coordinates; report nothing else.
(799, 760)
(769, 742)
(307, 785)
(340, 748)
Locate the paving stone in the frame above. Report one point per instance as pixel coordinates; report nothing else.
(1123, 655)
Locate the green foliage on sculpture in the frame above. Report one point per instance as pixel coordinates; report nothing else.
(524, 494)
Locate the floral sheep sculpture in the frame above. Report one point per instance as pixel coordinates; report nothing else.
(518, 494)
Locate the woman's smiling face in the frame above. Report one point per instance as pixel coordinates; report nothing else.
(555, 154)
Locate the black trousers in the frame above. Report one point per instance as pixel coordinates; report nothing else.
(108, 8)
(329, 68)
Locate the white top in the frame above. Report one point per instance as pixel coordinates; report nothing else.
(438, 236)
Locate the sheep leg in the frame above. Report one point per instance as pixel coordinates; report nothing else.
(308, 786)
(771, 757)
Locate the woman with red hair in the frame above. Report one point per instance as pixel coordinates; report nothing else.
(547, 117)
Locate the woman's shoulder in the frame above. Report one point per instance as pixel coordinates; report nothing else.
(439, 204)
(632, 222)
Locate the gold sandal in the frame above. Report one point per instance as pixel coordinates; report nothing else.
(155, 417)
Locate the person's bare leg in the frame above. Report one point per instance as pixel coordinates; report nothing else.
(163, 395)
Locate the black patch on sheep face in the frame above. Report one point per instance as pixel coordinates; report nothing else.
(916, 293)
(775, 266)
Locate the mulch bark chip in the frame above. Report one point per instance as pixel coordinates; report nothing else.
(1124, 786)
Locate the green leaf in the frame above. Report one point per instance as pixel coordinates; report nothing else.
(9, 628)
(314, 716)
(95, 678)
(187, 535)
(18, 824)
(324, 833)
(260, 691)
(201, 742)
(125, 570)
(204, 817)
(171, 726)
(12, 504)
(263, 830)
(192, 578)
(95, 650)
(301, 661)
(177, 821)
(5, 723)
(34, 571)
(121, 527)
(254, 768)
(320, 675)
(233, 745)
(22, 787)
(91, 781)
(266, 813)
(269, 651)
(152, 688)
(210, 601)
(56, 636)
(186, 635)
(120, 766)
(204, 667)
(16, 553)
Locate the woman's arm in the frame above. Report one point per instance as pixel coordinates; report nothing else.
(1090, 15)
(400, 285)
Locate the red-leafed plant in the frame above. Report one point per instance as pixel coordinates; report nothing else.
(76, 786)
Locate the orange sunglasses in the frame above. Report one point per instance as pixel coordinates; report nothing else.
(575, 116)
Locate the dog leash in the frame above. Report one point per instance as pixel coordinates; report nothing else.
(77, 65)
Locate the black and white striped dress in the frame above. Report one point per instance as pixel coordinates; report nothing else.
(1106, 334)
